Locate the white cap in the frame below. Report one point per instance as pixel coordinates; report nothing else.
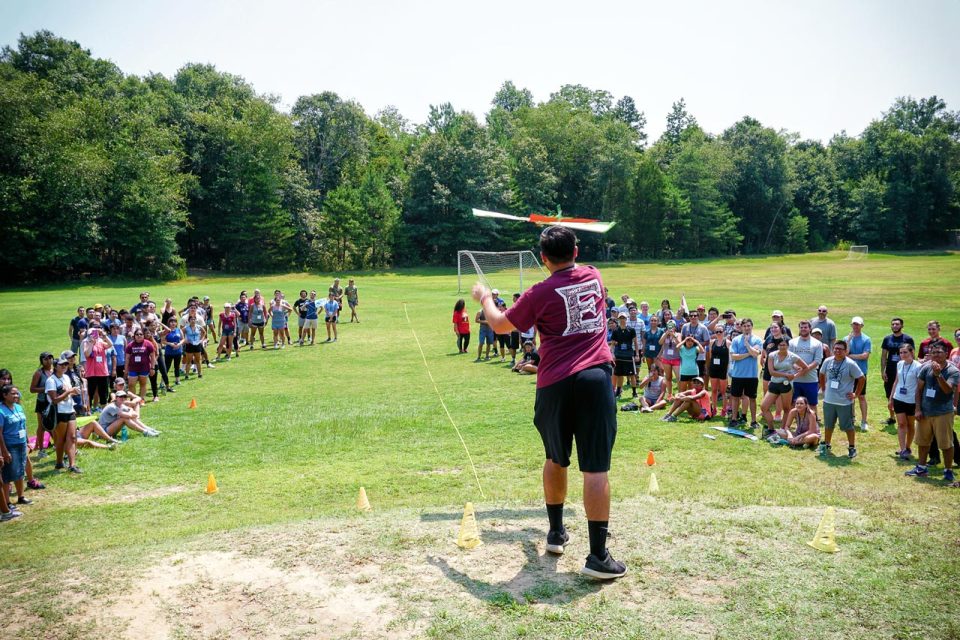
(495, 292)
(857, 320)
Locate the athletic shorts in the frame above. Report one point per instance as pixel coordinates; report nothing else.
(192, 348)
(779, 388)
(906, 408)
(717, 372)
(740, 387)
(580, 407)
(891, 377)
(863, 391)
(40, 406)
(688, 377)
(702, 367)
(258, 325)
(514, 342)
(242, 327)
(672, 363)
(18, 464)
(141, 374)
(310, 323)
(300, 321)
(624, 368)
(502, 339)
(66, 417)
(353, 303)
(276, 325)
(330, 319)
(487, 336)
(227, 332)
(834, 413)
(809, 390)
(940, 426)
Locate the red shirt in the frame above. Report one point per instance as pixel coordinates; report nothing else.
(462, 320)
(568, 310)
(96, 364)
(926, 344)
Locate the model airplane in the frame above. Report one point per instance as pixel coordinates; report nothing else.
(580, 224)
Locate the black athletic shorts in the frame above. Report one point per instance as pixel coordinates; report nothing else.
(193, 348)
(624, 368)
(702, 366)
(863, 390)
(502, 339)
(743, 387)
(779, 388)
(687, 377)
(891, 377)
(514, 340)
(908, 408)
(580, 407)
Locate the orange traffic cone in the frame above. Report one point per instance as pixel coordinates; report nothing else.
(193, 404)
(211, 484)
(650, 460)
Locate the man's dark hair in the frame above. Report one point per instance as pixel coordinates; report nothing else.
(897, 319)
(558, 244)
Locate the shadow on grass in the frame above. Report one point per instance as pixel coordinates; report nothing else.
(536, 581)
(834, 460)
(502, 514)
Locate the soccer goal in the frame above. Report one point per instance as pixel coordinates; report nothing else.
(509, 271)
(857, 252)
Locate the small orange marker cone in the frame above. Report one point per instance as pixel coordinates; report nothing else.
(193, 404)
(211, 484)
(362, 503)
(650, 460)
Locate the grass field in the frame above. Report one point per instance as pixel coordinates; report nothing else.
(134, 548)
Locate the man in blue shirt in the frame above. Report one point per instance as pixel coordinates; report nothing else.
(78, 328)
(744, 351)
(330, 308)
(309, 308)
(859, 347)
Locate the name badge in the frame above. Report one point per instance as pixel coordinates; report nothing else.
(136, 358)
(931, 393)
(716, 361)
(669, 352)
(99, 358)
(834, 384)
(894, 358)
(652, 348)
(902, 391)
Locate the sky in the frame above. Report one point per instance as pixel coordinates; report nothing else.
(815, 67)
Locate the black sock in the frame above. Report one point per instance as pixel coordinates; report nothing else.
(555, 513)
(598, 538)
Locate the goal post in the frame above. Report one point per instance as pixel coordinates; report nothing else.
(857, 252)
(509, 271)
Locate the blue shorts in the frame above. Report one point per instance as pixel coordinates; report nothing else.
(809, 390)
(487, 336)
(133, 375)
(17, 467)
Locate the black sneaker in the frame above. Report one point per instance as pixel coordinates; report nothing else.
(556, 541)
(606, 569)
(74, 469)
(59, 466)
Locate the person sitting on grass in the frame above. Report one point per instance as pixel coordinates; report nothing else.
(654, 389)
(530, 361)
(695, 401)
(805, 430)
(115, 416)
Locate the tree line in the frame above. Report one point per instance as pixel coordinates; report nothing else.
(103, 172)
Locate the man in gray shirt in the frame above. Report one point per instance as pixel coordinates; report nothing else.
(841, 381)
(826, 325)
(810, 351)
(936, 384)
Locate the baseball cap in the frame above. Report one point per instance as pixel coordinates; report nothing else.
(63, 361)
(857, 320)
(495, 292)
(97, 307)
(227, 305)
(700, 307)
(776, 312)
(817, 330)
(528, 342)
(205, 298)
(121, 394)
(698, 379)
(622, 315)
(66, 355)
(45, 355)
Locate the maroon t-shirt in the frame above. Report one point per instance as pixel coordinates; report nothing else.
(138, 356)
(568, 310)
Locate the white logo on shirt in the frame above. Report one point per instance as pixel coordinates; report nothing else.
(580, 301)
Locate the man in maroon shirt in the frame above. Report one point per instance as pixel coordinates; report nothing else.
(574, 391)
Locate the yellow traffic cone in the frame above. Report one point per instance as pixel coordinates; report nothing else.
(362, 503)
(211, 484)
(824, 539)
(469, 536)
(193, 404)
(654, 485)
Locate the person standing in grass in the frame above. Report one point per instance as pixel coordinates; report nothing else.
(461, 325)
(903, 399)
(841, 381)
(278, 318)
(38, 385)
(194, 334)
(718, 363)
(173, 342)
(828, 329)
(331, 308)
(310, 318)
(78, 329)
(242, 308)
(13, 441)
(744, 351)
(353, 299)
(486, 334)
(301, 315)
(810, 351)
(61, 391)
(574, 399)
(937, 384)
(228, 330)
(651, 343)
(889, 357)
(258, 318)
(860, 346)
(625, 346)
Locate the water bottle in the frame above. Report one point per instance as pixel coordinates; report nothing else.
(123, 434)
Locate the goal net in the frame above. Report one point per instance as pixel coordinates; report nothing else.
(508, 271)
(857, 252)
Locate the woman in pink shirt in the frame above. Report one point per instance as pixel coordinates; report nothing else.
(97, 367)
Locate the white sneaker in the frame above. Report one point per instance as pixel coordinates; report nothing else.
(864, 426)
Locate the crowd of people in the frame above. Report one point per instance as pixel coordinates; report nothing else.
(94, 393)
(794, 389)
